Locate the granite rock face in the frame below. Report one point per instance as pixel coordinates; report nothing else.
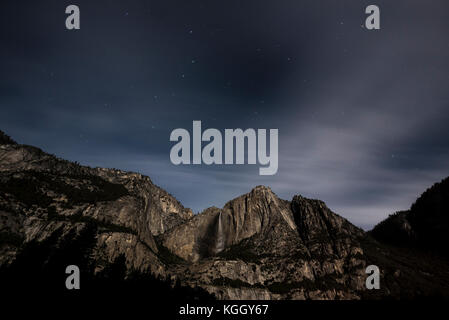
(41, 194)
(5, 139)
(214, 230)
(257, 246)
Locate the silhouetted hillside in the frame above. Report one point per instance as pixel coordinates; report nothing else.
(425, 225)
(5, 139)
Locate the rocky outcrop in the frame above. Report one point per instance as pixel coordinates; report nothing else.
(396, 230)
(258, 245)
(41, 194)
(321, 230)
(118, 224)
(424, 226)
(210, 232)
(5, 139)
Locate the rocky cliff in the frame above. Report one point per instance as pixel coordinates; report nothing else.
(257, 246)
(425, 225)
(41, 194)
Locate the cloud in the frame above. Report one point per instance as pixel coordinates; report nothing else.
(362, 116)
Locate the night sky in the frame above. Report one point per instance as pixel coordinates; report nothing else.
(362, 115)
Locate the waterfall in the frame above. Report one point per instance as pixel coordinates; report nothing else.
(219, 244)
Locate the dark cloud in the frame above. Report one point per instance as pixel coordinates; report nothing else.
(362, 116)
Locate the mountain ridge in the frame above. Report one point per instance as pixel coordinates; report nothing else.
(257, 246)
(424, 225)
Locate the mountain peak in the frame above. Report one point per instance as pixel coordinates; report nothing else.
(5, 139)
(261, 188)
(257, 246)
